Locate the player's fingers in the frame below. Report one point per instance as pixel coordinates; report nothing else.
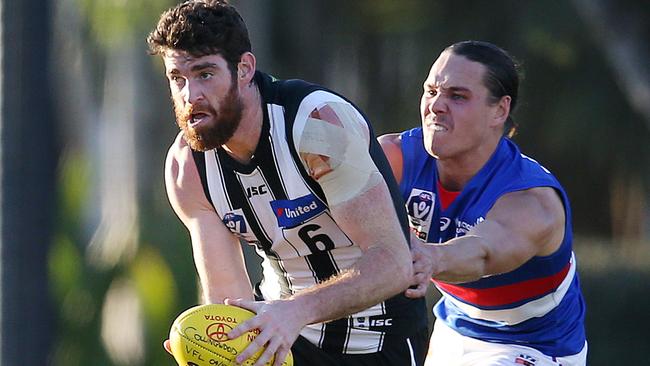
(167, 345)
(264, 357)
(242, 328)
(412, 294)
(419, 278)
(416, 254)
(246, 304)
(417, 269)
(253, 348)
(268, 353)
(280, 356)
(417, 292)
(250, 324)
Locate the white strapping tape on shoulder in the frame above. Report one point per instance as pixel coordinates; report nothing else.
(341, 142)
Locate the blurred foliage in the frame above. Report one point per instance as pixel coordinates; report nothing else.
(156, 287)
(389, 16)
(113, 20)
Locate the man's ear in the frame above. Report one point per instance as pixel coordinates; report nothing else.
(246, 68)
(502, 111)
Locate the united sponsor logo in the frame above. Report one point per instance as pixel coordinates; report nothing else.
(291, 213)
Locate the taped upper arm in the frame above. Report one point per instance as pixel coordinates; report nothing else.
(333, 139)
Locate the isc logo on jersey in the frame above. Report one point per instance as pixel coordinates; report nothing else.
(420, 208)
(291, 213)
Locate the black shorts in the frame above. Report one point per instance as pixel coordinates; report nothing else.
(397, 351)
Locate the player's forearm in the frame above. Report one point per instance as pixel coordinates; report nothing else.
(462, 259)
(377, 275)
(222, 271)
(217, 287)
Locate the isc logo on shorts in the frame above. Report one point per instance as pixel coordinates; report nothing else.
(367, 322)
(291, 213)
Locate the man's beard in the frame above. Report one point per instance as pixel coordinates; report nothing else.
(220, 129)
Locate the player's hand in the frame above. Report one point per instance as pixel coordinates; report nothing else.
(423, 268)
(168, 347)
(279, 323)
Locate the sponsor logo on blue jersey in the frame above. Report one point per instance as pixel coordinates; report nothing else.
(444, 223)
(463, 227)
(291, 213)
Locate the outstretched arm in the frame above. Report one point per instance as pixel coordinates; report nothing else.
(519, 226)
(501, 243)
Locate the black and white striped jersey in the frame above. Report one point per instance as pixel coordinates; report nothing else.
(273, 204)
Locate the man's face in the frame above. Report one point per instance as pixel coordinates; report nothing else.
(206, 98)
(455, 109)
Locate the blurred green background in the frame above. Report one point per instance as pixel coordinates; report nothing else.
(95, 266)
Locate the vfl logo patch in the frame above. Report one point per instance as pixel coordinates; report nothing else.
(291, 213)
(236, 222)
(419, 207)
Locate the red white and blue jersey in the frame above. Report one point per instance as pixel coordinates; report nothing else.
(539, 304)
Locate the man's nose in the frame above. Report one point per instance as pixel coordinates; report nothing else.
(437, 104)
(193, 92)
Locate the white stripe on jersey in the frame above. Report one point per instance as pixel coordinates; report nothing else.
(532, 309)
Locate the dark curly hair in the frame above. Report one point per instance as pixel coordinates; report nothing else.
(202, 27)
(502, 76)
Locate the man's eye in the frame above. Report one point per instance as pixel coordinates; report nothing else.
(458, 97)
(205, 75)
(432, 92)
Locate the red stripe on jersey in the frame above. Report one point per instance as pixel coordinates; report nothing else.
(508, 294)
(446, 197)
